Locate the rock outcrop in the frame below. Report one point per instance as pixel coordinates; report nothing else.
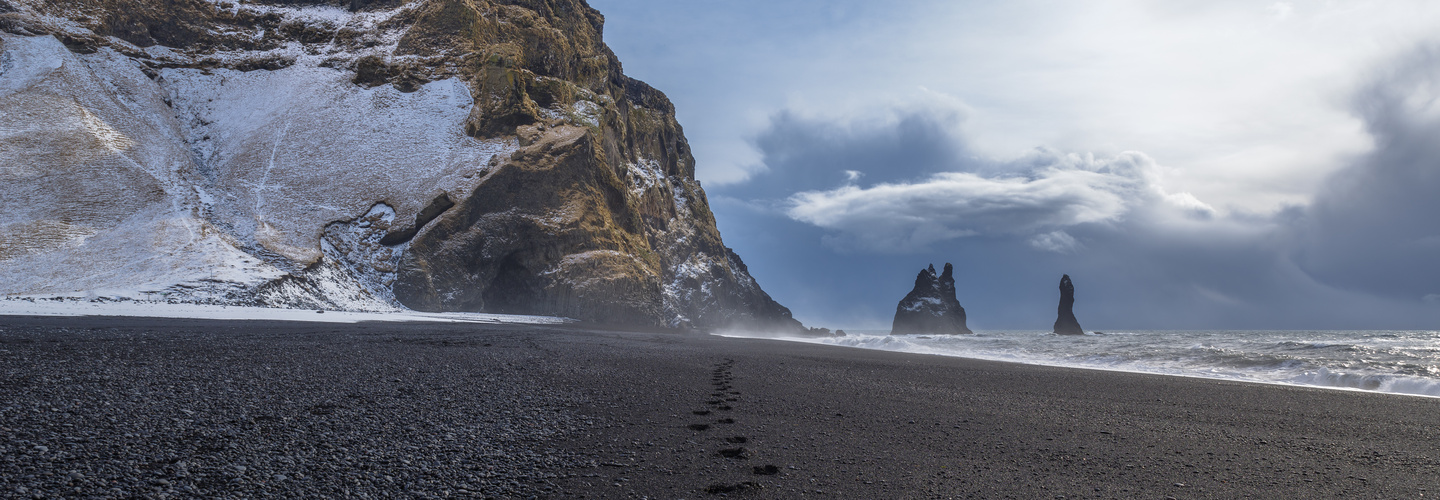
(1065, 323)
(931, 308)
(440, 155)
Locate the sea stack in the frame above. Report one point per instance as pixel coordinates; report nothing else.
(931, 307)
(1066, 324)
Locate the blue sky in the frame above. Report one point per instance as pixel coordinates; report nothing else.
(1190, 164)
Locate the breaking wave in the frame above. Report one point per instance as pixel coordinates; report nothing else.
(1392, 361)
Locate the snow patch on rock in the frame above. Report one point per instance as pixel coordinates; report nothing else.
(355, 246)
(107, 212)
(234, 186)
(644, 174)
(689, 285)
(300, 147)
(323, 285)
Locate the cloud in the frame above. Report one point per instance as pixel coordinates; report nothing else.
(910, 216)
(880, 192)
(901, 143)
(1281, 10)
(898, 180)
(1374, 226)
(1055, 241)
(1034, 196)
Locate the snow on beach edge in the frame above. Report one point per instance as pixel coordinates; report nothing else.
(33, 306)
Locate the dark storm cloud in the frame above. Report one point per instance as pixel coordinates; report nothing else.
(802, 154)
(1375, 225)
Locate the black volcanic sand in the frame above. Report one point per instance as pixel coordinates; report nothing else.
(157, 407)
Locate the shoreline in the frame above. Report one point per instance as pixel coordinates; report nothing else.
(1081, 366)
(70, 307)
(203, 407)
(62, 307)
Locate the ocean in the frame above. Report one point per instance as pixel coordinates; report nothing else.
(1391, 361)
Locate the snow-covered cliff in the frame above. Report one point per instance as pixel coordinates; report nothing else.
(441, 155)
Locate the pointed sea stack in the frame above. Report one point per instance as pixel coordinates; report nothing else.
(1066, 324)
(931, 307)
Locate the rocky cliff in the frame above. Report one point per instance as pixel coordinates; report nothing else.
(931, 307)
(1065, 322)
(440, 155)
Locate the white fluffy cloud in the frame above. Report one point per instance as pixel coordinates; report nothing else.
(1037, 197)
(1055, 241)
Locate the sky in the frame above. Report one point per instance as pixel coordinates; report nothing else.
(1190, 164)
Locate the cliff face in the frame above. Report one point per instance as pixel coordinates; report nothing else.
(442, 155)
(931, 307)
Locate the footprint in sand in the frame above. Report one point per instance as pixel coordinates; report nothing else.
(720, 400)
(736, 453)
(719, 488)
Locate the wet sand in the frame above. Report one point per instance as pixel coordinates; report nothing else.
(128, 406)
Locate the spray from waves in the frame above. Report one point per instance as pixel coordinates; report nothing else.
(1399, 362)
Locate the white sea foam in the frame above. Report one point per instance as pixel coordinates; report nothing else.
(1399, 362)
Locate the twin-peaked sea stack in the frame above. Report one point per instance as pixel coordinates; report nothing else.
(931, 307)
(1065, 323)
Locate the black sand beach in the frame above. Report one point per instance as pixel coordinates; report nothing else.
(122, 407)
